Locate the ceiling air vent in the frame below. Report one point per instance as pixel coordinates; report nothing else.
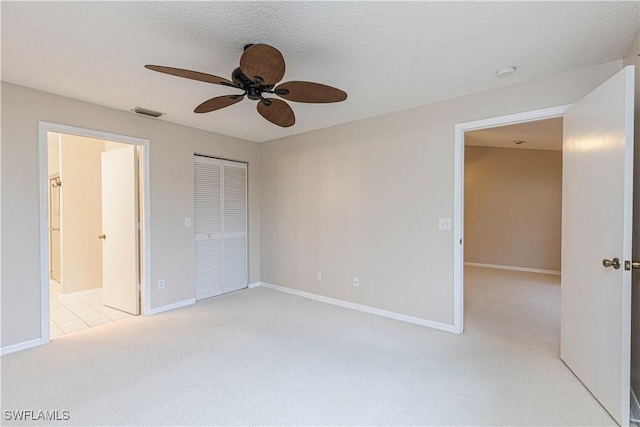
(147, 112)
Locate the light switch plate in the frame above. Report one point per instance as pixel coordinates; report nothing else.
(187, 222)
(444, 223)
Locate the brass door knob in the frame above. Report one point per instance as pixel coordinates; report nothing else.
(104, 236)
(615, 263)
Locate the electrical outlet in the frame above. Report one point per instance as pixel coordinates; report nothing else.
(444, 223)
(161, 284)
(356, 282)
(318, 276)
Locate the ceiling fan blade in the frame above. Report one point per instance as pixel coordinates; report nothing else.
(193, 75)
(263, 63)
(277, 112)
(217, 103)
(310, 92)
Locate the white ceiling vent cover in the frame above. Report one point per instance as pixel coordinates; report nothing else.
(147, 112)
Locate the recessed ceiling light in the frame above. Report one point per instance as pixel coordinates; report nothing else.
(505, 71)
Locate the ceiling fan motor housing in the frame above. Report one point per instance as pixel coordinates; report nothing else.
(254, 93)
(254, 90)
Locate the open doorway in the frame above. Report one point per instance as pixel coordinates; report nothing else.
(84, 202)
(505, 131)
(513, 232)
(93, 249)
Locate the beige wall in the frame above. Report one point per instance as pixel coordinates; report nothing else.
(110, 145)
(513, 207)
(171, 152)
(53, 150)
(363, 199)
(81, 213)
(633, 59)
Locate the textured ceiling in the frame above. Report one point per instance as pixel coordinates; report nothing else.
(388, 56)
(539, 135)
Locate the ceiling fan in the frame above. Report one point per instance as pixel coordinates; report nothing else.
(261, 67)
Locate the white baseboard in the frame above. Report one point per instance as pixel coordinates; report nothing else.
(21, 346)
(73, 295)
(171, 306)
(253, 285)
(360, 307)
(510, 267)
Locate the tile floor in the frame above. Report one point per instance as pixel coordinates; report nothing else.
(79, 313)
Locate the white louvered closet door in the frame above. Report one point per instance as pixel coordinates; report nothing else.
(220, 226)
(234, 225)
(208, 227)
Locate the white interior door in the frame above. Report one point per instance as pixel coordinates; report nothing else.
(120, 230)
(596, 225)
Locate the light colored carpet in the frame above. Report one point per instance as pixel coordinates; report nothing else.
(261, 357)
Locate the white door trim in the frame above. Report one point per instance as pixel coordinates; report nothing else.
(43, 128)
(458, 200)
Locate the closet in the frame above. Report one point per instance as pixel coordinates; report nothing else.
(220, 226)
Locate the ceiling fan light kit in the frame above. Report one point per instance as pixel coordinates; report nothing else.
(261, 68)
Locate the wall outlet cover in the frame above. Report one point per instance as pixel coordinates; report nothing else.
(444, 223)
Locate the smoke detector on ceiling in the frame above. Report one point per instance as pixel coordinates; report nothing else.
(505, 71)
(146, 112)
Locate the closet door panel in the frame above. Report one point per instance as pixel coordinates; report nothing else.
(235, 263)
(209, 270)
(235, 225)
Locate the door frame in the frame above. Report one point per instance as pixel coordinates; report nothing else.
(458, 199)
(145, 222)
